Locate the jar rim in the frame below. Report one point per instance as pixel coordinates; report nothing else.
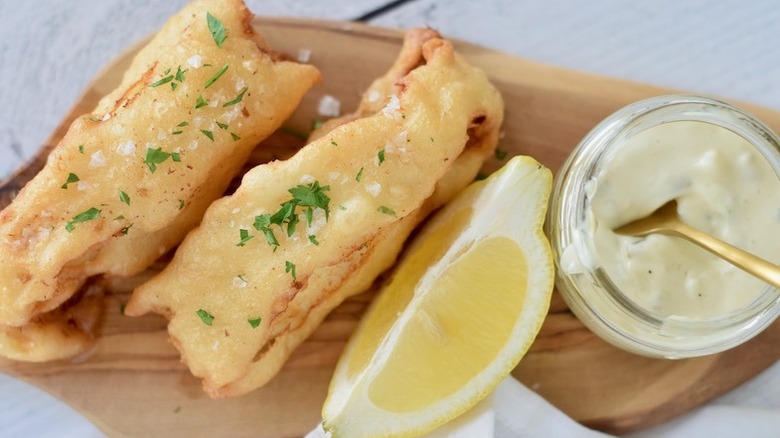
(614, 317)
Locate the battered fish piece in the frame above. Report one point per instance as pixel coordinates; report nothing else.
(299, 236)
(127, 182)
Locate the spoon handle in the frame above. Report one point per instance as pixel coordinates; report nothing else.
(749, 263)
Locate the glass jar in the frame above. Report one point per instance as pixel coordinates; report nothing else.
(588, 290)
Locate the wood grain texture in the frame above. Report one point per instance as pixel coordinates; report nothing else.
(132, 384)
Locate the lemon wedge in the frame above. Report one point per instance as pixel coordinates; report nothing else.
(462, 308)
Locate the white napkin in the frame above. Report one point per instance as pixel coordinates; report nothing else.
(512, 411)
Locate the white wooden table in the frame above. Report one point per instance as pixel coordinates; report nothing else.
(51, 49)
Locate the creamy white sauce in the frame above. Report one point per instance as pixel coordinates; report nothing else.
(723, 186)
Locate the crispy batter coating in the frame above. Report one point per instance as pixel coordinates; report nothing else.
(127, 182)
(238, 305)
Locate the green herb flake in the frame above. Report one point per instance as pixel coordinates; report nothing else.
(294, 132)
(122, 308)
(158, 156)
(89, 215)
(181, 204)
(124, 198)
(254, 322)
(237, 99)
(222, 125)
(180, 74)
(72, 177)
(500, 154)
(386, 210)
(167, 70)
(431, 139)
(201, 102)
(81, 148)
(381, 156)
(177, 410)
(313, 239)
(208, 134)
(126, 229)
(333, 142)
(162, 81)
(290, 267)
(217, 29)
(206, 317)
(119, 218)
(93, 119)
(315, 124)
(176, 132)
(244, 236)
(241, 277)
(183, 124)
(480, 176)
(359, 175)
(217, 75)
(341, 207)
(174, 85)
(235, 137)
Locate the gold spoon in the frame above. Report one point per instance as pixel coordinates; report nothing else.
(666, 221)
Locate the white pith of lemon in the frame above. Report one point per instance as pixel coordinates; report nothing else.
(462, 308)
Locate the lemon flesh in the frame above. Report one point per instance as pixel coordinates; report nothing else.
(462, 308)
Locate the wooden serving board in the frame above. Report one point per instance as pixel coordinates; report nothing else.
(132, 384)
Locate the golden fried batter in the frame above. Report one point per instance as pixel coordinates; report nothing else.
(127, 182)
(299, 236)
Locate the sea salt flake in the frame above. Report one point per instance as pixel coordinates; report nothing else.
(239, 282)
(195, 61)
(126, 148)
(391, 110)
(374, 188)
(329, 106)
(306, 179)
(304, 55)
(373, 96)
(97, 159)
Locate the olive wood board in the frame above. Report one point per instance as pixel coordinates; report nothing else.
(133, 383)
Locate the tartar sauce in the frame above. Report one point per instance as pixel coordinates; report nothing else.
(723, 186)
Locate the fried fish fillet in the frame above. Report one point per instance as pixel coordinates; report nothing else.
(299, 236)
(127, 182)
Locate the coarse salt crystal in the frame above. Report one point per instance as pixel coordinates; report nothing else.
(374, 188)
(195, 61)
(193, 145)
(391, 109)
(306, 179)
(126, 148)
(97, 159)
(373, 96)
(318, 221)
(240, 84)
(304, 55)
(329, 106)
(106, 116)
(239, 282)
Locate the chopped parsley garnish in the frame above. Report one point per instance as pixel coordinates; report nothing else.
(359, 175)
(217, 29)
(174, 85)
(333, 142)
(313, 239)
(180, 74)
(290, 267)
(177, 410)
(93, 119)
(341, 207)
(126, 229)
(386, 210)
(315, 124)
(237, 99)
(119, 218)
(89, 215)
(235, 137)
(241, 277)
(162, 81)
(182, 124)
(124, 198)
(176, 132)
(167, 70)
(308, 197)
(500, 154)
(245, 237)
(158, 156)
(81, 148)
(217, 75)
(381, 156)
(254, 322)
(122, 308)
(181, 204)
(208, 134)
(201, 102)
(480, 176)
(222, 125)
(206, 317)
(72, 177)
